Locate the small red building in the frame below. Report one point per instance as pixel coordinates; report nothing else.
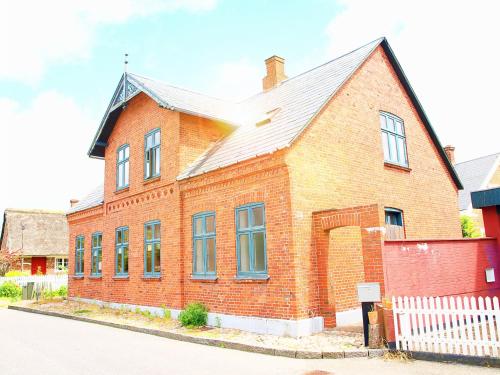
(269, 210)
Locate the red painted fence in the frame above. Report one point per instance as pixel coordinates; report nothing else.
(441, 267)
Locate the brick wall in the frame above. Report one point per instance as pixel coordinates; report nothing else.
(441, 267)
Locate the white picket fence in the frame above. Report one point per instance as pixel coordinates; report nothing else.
(452, 325)
(51, 282)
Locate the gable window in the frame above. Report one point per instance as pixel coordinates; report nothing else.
(393, 139)
(79, 253)
(122, 167)
(152, 249)
(251, 240)
(394, 228)
(204, 244)
(152, 154)
(96, 261)
(121, 247)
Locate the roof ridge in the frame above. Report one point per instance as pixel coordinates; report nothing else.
(314, 68)
(34, 211)
(182, 88)
(479, 157)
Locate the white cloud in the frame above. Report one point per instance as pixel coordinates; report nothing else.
(236, 80)
(36, 34)
(43, 149)
(449, 50)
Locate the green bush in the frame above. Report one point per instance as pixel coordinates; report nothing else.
(17, 273)
(469, 228)
(194, 315)
(10, 289)
(51, 294)
(62, 291)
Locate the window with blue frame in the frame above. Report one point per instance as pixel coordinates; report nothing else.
(152, 249)
(152, 154)
(393, 139)
(204, 244)
(121, 245)
(251, 240)
(96, 254)
(79, 255)
(122, 167)
(393, 216)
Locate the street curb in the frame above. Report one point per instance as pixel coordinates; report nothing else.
(455, 358)
(299, 354)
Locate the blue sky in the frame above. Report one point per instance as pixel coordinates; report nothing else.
(61, 60)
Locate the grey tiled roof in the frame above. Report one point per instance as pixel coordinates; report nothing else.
(473, 174)
(94, 199)
(295, 102)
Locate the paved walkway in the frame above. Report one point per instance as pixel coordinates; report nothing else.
(37, 344)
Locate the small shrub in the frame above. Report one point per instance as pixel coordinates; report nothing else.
(469, 228)
(194, 315)
(10, 289)
(17, 273)
(166, 312)
(62, 291)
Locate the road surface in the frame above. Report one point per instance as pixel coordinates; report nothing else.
(38, 344)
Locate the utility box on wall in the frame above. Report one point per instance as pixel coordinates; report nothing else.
(490, 275)
(369, 292)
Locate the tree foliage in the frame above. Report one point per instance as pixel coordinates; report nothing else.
(469, 228)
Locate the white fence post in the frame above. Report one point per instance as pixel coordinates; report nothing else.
(46, 281)
(454, 325)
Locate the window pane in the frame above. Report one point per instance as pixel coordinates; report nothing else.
(99, 262)
(148, 164)
(258, 243)
(392, 147)
(157, 161)
(210, 254)
(244, 253)
(401, 150)
(149, 258)
(258, 216)
(119, 260)
(127, 151)
(385, 144)
(198, 248)
(120, 155)
(125, 167)
(153, 162)
(157, 231)
(149, 141)
(81, 262)
(125, 235)
(383, 124)
(99, 240)
(243, 219)
(390, 124)
(399, 127)
(125, 259)
(157, 138)
(157, 257)
(210, 224)
(198, 226)
(149, 232)
(119, 237)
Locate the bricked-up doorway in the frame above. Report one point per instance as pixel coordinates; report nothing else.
(356, 233)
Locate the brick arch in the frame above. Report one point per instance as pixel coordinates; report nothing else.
(368, 219)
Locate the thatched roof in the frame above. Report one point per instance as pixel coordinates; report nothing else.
(35, 232)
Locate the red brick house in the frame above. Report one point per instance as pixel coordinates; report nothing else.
(269, 210)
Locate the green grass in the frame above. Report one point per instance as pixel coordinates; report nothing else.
(83, 311)
(6, 301)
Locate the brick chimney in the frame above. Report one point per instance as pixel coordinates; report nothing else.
(275, 67)
(450, 152)
(73, 202)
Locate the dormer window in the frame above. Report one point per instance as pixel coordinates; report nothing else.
(393, 139)
(152, 154)
(122, 167)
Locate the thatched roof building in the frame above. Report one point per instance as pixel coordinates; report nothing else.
(34, 232)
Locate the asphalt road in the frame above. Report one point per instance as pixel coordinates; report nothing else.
(37, 344)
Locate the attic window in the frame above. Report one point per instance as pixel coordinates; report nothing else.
(267, 117)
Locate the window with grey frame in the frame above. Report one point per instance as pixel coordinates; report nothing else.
(122, 167)
(121, 268)
(152, 154)
(204, 245)
(393, 139)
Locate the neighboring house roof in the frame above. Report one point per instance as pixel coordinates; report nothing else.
(287, 110)
(475, 175)
(94, 199)
(35, 232)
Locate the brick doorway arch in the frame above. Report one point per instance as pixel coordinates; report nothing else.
(369, 221)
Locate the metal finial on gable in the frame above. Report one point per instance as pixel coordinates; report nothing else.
(125, 63)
